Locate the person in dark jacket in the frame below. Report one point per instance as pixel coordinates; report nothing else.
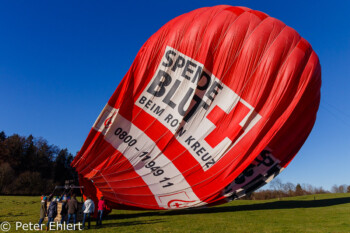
(64, 211)
(51, 212)
(43, 210)
(72, 208)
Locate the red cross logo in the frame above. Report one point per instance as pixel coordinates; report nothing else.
(227, 125)
(178, 203)
(108, 121)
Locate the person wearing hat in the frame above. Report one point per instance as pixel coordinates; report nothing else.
(43, 209)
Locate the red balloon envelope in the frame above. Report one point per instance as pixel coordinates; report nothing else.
(215, 105)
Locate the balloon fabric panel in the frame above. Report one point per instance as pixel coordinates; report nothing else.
(215, 105)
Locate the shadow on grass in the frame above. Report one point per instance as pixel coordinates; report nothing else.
(131, 223)
(15, 215)
(257, 206)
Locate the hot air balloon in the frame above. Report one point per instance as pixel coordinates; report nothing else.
(216, 104)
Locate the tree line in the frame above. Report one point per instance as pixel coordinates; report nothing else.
(278, 189)
(31, 166)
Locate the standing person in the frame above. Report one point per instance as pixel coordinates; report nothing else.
(88, 209)
(51, 212)
(43, 210)
(72, 208)
(64, 211)
(101, 208)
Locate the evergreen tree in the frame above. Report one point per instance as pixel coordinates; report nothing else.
(30, 166)
(298, 190)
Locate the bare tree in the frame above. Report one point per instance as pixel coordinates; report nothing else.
(319, 190)
(343, 188)
(339, 189)
(289, 188)
(309, 188)
(335, 189)
(277, 185)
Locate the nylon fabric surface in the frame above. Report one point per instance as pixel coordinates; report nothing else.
(216, 104)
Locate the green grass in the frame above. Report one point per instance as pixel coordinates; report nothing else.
(328, 213)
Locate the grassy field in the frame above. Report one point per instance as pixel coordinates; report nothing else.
(315, 213)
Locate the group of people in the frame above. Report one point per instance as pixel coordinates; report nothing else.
(89, 208)
(69, 210)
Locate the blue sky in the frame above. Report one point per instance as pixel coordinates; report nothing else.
(60, 61)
